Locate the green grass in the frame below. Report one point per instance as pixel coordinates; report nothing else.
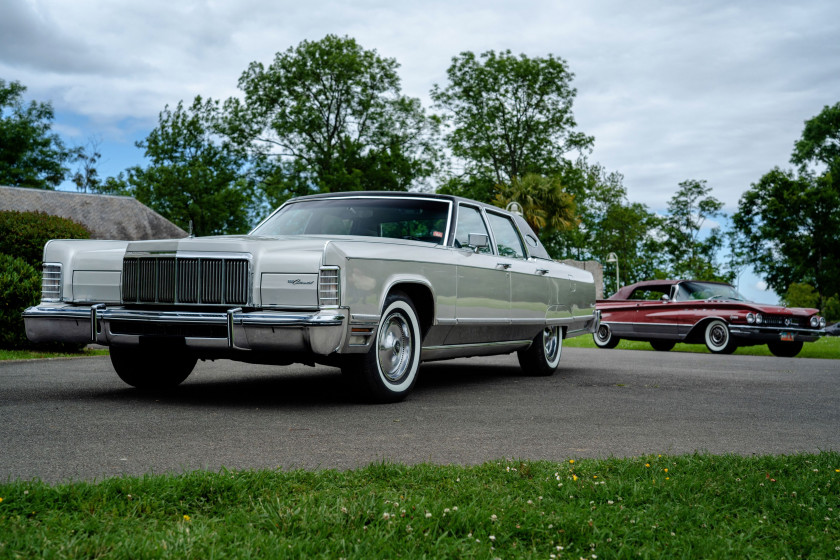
(692, 506)
(36, 354)
(827, 347)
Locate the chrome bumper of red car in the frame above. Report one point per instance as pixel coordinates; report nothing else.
(769, 334)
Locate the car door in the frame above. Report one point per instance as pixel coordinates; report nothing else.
(528, 282)
(482, 302)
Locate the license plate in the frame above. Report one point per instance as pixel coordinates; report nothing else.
(787, 336)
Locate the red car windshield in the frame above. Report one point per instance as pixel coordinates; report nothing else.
(690, 291)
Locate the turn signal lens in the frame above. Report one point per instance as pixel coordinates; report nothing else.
(329, 287)
(51, 282)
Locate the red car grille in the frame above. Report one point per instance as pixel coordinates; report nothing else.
(783, 321)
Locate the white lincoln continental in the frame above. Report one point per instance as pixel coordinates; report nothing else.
(373, 283)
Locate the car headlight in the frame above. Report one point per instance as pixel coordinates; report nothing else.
(758, 319)
(750, 318)
(822, 322)
(817, 322)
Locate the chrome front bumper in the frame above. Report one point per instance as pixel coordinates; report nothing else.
(770, 334)
(318, 332)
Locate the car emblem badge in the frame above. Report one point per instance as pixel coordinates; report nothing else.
(787, 321)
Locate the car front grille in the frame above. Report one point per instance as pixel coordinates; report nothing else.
(783, 321)
(185, 280)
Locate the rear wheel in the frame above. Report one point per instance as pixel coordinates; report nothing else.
(152, 368)
(662, 345)
(604, 338)
(717, 338)
(784, 349)
(388, 371)
(543, 356)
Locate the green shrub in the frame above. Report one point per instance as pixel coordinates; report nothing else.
(801, 295)
(831, 308)
(20, 287)
(23, 234)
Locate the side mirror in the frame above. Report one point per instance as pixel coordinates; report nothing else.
(665, 298)
(478, 241)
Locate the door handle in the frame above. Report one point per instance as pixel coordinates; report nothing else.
(542, 271)
(503, 265)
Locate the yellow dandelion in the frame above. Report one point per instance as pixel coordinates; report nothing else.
(595, 476)
(647, 465)
(571, 461)
(666, 470)
(574, 477)
(186, 517)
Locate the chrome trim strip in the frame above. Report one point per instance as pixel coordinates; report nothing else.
(732, 326)
(478, 345)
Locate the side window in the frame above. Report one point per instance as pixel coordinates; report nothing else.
(507, 237)
(469, 221)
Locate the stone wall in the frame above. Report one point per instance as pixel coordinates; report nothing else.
(597, 273)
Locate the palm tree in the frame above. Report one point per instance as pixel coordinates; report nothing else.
(545, 203)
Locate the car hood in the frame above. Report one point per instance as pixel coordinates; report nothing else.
(780, 310)
(227, 244)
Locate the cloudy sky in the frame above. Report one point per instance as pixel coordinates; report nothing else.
(671, 90)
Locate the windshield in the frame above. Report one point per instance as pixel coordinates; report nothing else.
(689, 291)
(400, 218)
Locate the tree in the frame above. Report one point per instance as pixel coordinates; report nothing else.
(688, 254)
(194, 179)
(609, 223)
(86, 178)
(509, 116)
(30, 154)
(546, 206)
(789, 221)
(328, 116)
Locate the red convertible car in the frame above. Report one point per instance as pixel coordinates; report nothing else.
(664, 312)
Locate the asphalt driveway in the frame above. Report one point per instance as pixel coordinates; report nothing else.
(74, 419)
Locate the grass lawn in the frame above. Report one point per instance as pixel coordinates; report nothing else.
(690, 506)
(826, 347)
(33, 354)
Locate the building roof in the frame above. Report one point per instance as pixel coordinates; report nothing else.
(106, 216)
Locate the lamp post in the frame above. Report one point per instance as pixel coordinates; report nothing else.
(612, 258)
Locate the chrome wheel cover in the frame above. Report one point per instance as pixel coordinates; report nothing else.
(552, 344)
(603, 333)
(394, 347)
(718, 335)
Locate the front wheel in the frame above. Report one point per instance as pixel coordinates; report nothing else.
(604, 337)
(717, 338)
(152, 369)
(388, 371)
(784, 349)
(543, 356)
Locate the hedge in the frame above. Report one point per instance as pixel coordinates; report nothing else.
(23, 234)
